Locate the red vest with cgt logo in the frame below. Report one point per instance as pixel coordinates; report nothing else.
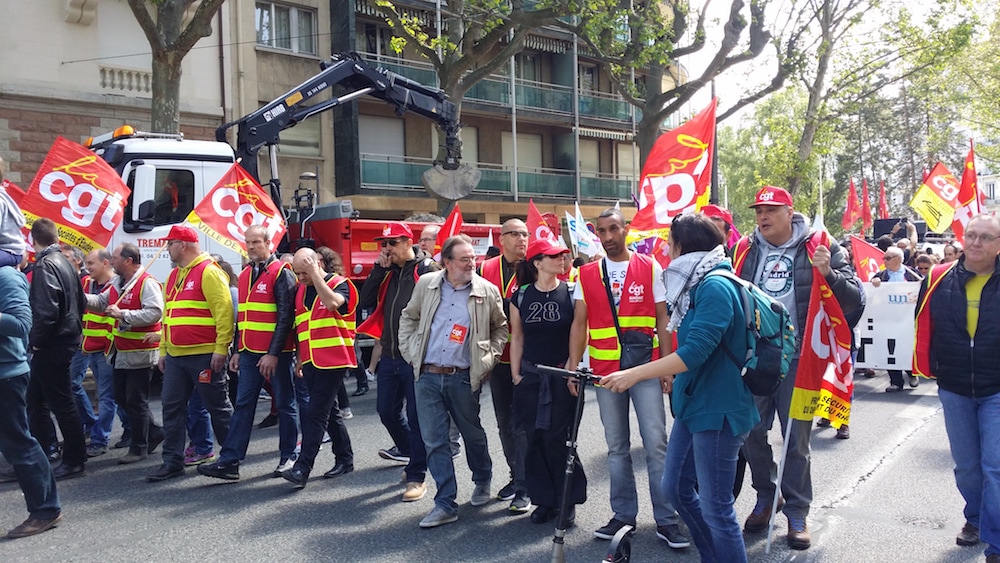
(257, 311)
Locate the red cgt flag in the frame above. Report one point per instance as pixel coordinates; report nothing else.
(824, 379)
(452, 226)
(968, 198)
(866, 207)
(537, 227)
(852, 211)
(883, 203)
(80, 192)
(677, 175)
(868, 258)
(234, 204)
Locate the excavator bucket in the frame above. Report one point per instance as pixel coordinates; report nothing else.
(451, 185)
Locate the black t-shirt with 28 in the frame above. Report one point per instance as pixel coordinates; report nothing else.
(546, 318)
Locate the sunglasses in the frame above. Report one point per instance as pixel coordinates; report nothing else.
(390, 242)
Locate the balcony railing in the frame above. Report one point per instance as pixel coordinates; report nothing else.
(404, 173)
(495, 90)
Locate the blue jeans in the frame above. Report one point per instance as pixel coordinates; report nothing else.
(247, 393)
(708, 460)
(199, 427)
(648, 400)
(395, 385)
(180, 381)
(439, 396)
(975, 446)
(24, 453)
(77, 371)
(796, 483)
(100, 433)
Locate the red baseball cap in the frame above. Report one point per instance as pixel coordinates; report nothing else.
(716, 211)
(770, 195)
(544, 246)
(182, 233)
(395, 230)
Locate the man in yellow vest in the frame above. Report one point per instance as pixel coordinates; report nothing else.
(97, 328)
(325, 309)
(198, 328)
(626, 290)
(135, 301)
(264, 344)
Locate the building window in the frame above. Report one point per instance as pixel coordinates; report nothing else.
(990, 190)
(588, 78)
(375, 40)
(285, 27)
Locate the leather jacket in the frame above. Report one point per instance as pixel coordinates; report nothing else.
(57, 302)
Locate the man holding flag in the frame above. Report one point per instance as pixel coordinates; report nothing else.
(776, 257)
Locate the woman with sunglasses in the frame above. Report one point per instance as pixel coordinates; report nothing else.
(541, 314)
(713, 409)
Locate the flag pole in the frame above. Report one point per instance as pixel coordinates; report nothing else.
(777, 486)
(131, 283)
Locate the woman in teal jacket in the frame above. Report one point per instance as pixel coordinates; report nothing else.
(713, 409)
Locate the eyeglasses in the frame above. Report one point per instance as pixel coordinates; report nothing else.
(390, 242)
(555, 256)
(518, 234)
(890, 257)
(981, 237)
(465, 260)
(428, 239)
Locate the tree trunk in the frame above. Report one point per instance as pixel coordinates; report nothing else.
(166, 110)
(816, 98)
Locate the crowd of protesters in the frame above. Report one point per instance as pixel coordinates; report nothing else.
(446, 327)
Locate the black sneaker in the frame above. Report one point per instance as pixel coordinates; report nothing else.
(393, 454)
(671, 533)
(968, 536)
(521, 503)
(124, 442)
(507, 492)
(225, 470)
(608, 531)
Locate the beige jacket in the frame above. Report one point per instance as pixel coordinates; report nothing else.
(487, 335)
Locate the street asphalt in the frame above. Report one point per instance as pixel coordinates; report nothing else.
(886, 494)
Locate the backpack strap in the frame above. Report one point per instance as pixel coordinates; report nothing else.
(748, 310)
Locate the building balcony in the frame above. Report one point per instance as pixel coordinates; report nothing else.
(404, 173)
(495, 91)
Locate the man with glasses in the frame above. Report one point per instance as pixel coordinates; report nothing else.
(428, 238)
(896, 271)
(452, 333)
(500, 271)
(136, 305)
(387, 290)
(963, 354)
(924, 264)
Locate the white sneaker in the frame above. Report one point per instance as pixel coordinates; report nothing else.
(282, 467)
(369, 375)
(346, 414)
(481, 494)
(437, 517)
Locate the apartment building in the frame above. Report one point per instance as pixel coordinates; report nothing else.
(547, 127)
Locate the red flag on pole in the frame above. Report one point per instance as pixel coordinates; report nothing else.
(676, 177)
(234, 204)
(824, 380)
(852, 211)
(866, 207)
(883, 203)
(537, 227)
(868, 258)
(452, 226)
(80, 192)
(968, 198)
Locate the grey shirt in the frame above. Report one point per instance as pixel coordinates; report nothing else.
(150, 313)
(448, 343)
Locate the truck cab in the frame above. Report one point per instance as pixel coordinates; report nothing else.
(168, 176)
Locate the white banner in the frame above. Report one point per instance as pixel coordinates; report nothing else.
(885, 333)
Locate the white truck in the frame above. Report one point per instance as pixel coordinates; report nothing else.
(169, 175)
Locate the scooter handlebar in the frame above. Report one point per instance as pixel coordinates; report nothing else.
(583, 374)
